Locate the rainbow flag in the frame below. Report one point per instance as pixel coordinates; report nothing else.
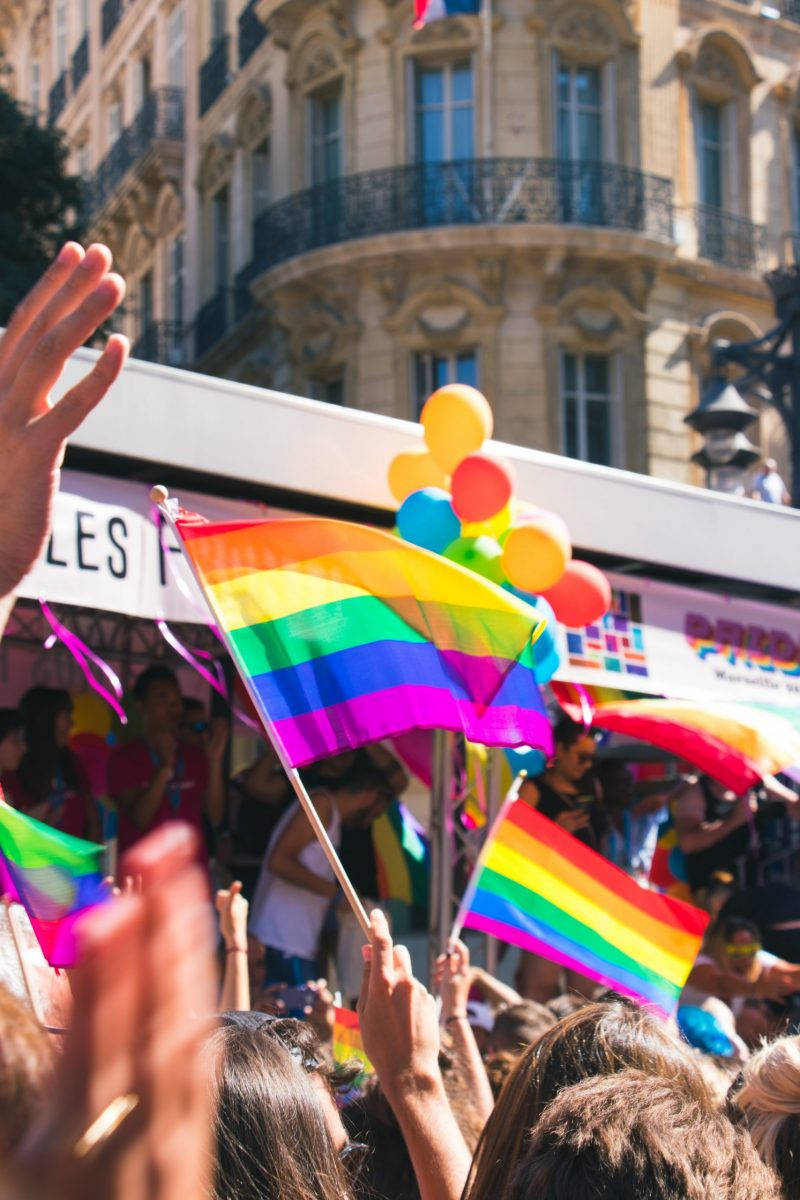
(55, 876)
(347, 1043)
(345, 634)
(536, 886)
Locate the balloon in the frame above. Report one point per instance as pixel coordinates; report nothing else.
(581, 596)
(426, 518)
(546, 654)
(482, 555)
(495, 527)
(481, 487)
(536, 551)
(457, 420)
(90, 714)
(411, 470)
(526, 758)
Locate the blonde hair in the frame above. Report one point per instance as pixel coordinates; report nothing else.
(770, 1101)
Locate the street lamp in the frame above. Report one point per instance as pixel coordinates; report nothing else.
(722, 417)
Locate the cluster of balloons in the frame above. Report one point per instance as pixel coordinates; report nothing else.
(458, 501)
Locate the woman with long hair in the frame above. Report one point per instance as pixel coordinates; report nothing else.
(769, 1099)
(51, 783)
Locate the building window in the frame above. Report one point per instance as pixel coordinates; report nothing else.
(114, 122)
(329, 390)
(711, 150)
(145, 303)
(589, 407)
(176, 272)
(260, 184)
(84, 161)
(432, 371)
(142, 81)
(36, 87)
(220, 233)
(60, 35)
(83, 18)
(579, 113)
(444, 124)
(325, 128)
(218, 16)
(176, 47)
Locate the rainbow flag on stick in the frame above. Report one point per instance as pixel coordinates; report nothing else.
(347, 1043)
(345, 634)
(54, 876)
(536, 886)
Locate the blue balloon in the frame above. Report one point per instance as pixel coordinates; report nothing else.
(546, 656)
(426, 518)
(526, 758)
(702, 1030)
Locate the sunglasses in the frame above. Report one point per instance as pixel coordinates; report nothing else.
(743, 951)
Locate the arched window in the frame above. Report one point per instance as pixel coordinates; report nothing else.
(253, 133)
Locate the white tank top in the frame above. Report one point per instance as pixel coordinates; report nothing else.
(286, 917)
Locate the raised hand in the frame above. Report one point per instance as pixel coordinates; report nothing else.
(66, 306)
(453, 979)
(232, 909)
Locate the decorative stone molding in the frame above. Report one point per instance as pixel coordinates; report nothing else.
(254, 117)
(451, 29)
(492, 277)
(590, 31)
(319, 321)
(391, 280)
(314, 62)
(168, 210)
(440, 311)
(718, 62)
(595, 317)
(216, 162)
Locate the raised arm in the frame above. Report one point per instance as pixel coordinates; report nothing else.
(284, 859)
(232, 909)
(453, 977)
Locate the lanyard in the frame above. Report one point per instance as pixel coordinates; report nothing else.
(173, 790)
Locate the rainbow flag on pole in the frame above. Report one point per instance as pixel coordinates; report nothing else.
(55, 876)
(345, 635)
(347, 1043)
(536, 886)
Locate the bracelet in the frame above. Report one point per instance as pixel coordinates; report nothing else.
(235, 950)
(457, 1017)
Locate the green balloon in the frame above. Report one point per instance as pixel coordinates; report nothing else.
(483, 555)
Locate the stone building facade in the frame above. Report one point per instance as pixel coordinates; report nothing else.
(563, 201)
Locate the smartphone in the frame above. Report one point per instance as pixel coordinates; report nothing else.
(297, 1000)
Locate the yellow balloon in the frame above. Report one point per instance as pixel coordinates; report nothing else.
(457, 420)
(495, 527)
(90, 714)
(536, 553)
(411, 470)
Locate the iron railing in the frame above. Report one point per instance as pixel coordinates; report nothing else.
(219, 315)
(252, 32)
(790, 10)
(57, 98)
(163, 342)
(110, 16)
(488, 191)
(80, 62)
(214, 73)
(730, 240)
(160, 117)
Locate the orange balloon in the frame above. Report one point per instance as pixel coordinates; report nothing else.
(457, 420)
(411, 470)
(536, 552)
(581, 597)
(481, 487)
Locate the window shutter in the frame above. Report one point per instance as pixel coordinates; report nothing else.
(731, 182)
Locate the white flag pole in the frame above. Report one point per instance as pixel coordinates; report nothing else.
(160, 497)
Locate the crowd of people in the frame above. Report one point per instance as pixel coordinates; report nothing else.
(159, 1089)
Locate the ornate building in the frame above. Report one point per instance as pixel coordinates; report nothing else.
(563, 201)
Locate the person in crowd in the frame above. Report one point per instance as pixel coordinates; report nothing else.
(519, 1026)
(768, 1096)
(636, 1136)
(51, 783)
(232, 910)
(768, 486)
(733, 965)
(297, 885)
(632, 823)
(159, 777)
(12, 741)
(774, 908)
(598, 1039)
(257, 798)
(194, 722)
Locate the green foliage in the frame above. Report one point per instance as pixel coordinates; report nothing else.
(39, 201)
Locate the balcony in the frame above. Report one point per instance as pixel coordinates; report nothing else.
(214, 73)
(57, 98)
(110, 17)
(729, 240)
(251, 33)
(163, 342)
(219, 315)
(489, 191)
(160, 119)
(80, 62)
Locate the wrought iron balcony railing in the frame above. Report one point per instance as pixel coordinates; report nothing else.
(729, 240)
(218, 316)
(484, 191)
(110, 16)
(57, 98)
(251, 33)
(214, 73)
(80, 62)
(159, 118)
(163, 342)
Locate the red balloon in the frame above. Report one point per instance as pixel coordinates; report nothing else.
(581, 596)
(480, 487)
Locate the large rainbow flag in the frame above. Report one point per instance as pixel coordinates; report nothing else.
(345, 635)
(536, 886)
(55, 876)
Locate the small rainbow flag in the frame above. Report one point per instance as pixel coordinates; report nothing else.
(56, 877)
(347, 1043)
(536, 886)
(346, 635)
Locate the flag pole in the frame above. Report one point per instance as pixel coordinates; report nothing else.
(160, 497)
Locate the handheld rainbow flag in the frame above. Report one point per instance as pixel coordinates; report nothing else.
(56, 877)
(536, 886)
(345, 635)
(347, 1043)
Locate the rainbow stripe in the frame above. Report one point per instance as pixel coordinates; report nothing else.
(347, 1043)
(345, 635)
(538, 887)
(55, 877)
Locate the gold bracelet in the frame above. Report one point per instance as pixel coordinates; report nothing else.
(107, 1124)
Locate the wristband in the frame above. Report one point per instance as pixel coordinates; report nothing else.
(457, 1017)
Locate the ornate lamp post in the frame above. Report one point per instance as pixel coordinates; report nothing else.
(722, 417)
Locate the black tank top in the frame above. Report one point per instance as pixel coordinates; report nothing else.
(552, 803)
(721, 856)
